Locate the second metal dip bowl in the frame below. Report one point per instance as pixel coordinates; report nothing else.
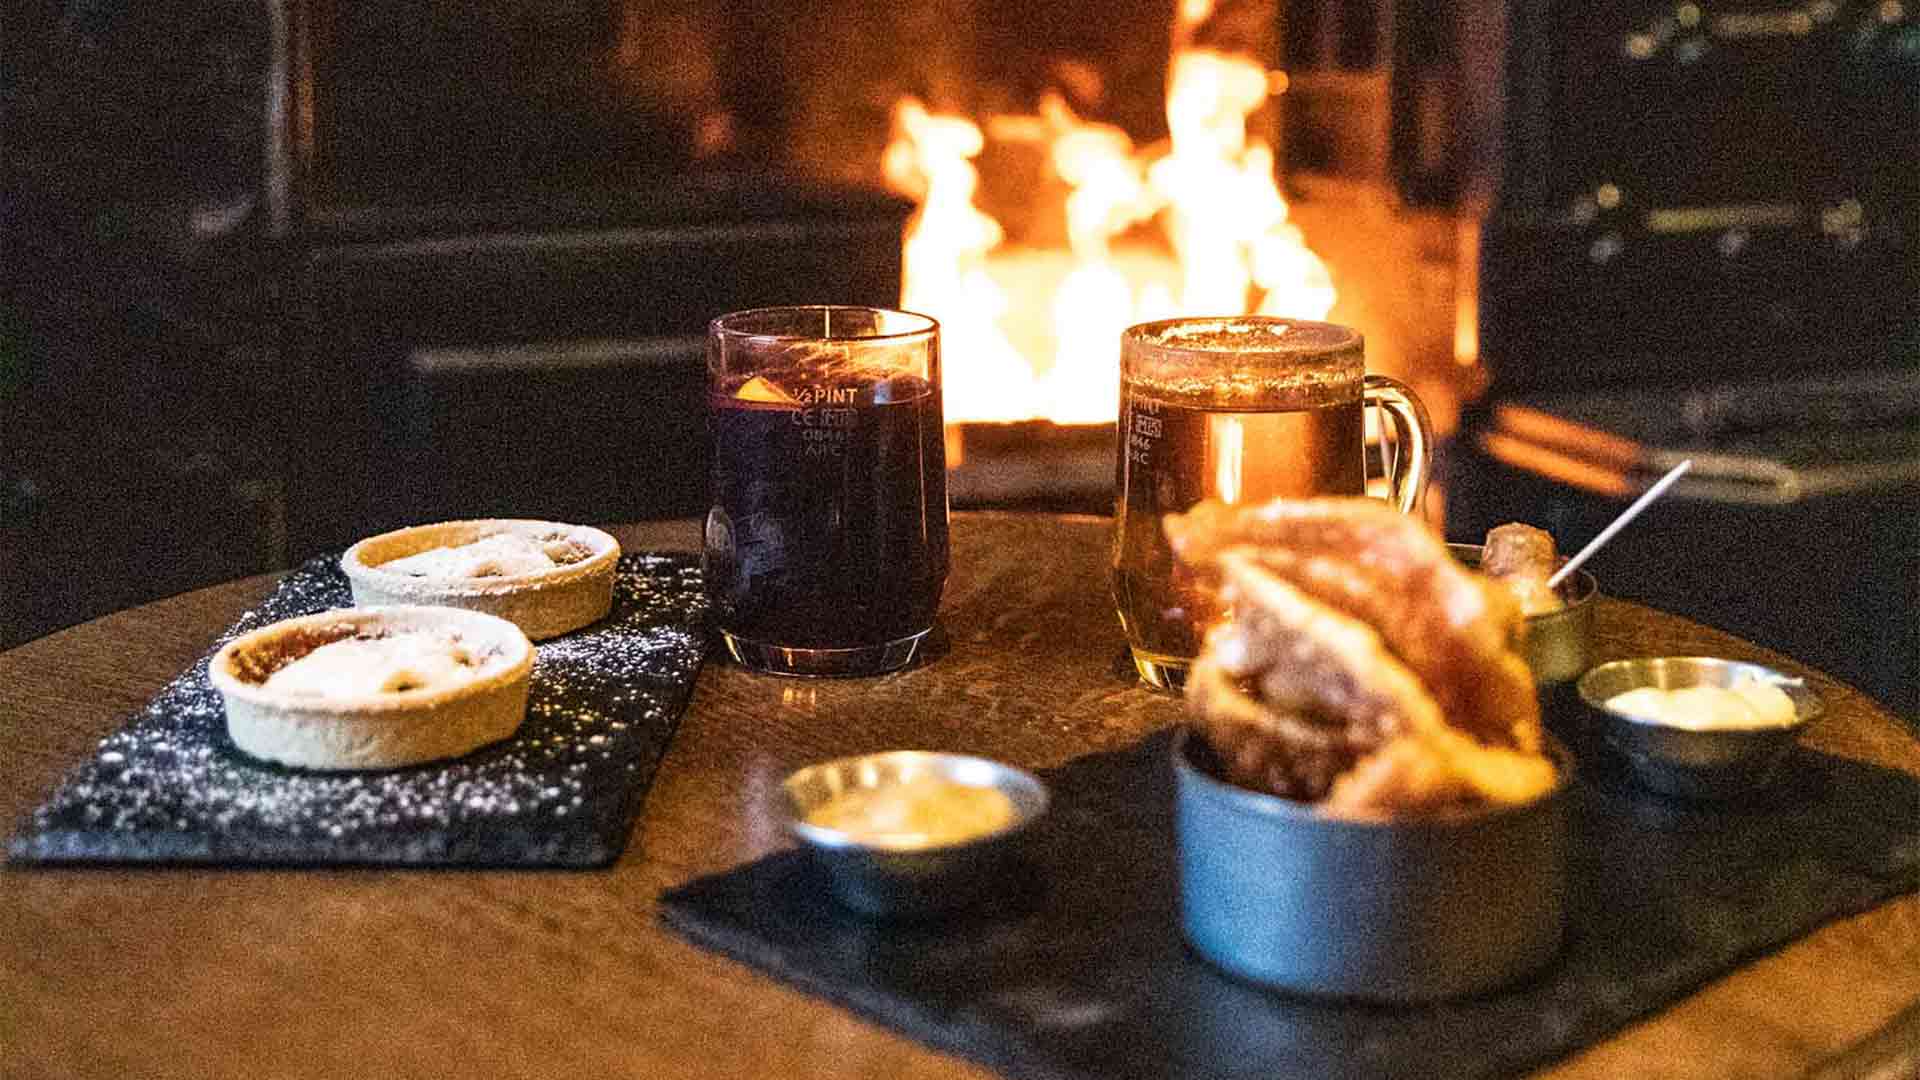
(1559, 644)
(909, 881)
(1699, 764)
(1415, 909)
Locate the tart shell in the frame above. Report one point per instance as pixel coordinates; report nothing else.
(376, 731)
(544, 604)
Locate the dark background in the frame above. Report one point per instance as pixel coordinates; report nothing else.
(276, 275)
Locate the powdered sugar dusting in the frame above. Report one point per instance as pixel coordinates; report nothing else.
(603, 703)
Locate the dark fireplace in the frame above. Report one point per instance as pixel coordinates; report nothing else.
(289, 273)
(281, 274)
(284, 273)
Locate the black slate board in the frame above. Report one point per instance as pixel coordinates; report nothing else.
(1086, 975)
(562, 792)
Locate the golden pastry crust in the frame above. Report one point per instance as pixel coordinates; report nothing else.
(377, 730)
(545, 603)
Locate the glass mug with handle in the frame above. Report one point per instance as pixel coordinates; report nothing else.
(1241, 410)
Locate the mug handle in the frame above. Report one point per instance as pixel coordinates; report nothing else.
(1407, 474)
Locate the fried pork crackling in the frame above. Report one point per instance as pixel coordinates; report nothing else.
(1452, 628)
(1363, 668)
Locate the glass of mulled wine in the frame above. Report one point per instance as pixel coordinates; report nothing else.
(826, 544)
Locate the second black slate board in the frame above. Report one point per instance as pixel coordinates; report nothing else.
(562, 792)
(1087, 976)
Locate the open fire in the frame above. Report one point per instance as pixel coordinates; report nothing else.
(1192, 225)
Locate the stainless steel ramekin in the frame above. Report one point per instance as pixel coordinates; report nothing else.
(1714, 764)
(1395, 911)
(895, 882)
(1559, 644)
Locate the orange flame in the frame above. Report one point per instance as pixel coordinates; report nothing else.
(1094, 302)
(944, 264)
(1212, 189)
(1227, 219)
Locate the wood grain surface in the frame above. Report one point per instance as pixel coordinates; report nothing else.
(254, 973)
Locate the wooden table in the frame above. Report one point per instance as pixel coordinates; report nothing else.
(253, 973)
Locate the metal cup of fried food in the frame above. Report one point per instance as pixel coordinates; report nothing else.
(1383, 909)
(1368, 804)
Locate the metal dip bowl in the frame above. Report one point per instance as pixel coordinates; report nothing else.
(1406, 910)
(1559, 644)
(1718, 763)
(909, 881)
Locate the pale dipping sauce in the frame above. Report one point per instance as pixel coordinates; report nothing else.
(1748, 704)
(925, 811)
(359, 667)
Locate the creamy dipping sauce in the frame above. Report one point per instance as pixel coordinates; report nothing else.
(925, 811)
(1749, 703)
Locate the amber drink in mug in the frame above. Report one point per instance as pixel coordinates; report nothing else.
(1241, 410)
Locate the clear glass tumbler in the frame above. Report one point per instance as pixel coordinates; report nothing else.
(826, 544)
